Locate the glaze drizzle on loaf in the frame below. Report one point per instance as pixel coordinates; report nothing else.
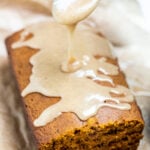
(69, 13)
(79, 91)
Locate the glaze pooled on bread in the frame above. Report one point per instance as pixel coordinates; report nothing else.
(79, 93)
(56, 74)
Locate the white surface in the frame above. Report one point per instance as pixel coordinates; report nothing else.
(125, 23)
(145, 8)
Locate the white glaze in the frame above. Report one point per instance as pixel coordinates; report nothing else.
(107, 68)
(78, 94)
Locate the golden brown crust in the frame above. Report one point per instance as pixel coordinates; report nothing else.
(35, 103)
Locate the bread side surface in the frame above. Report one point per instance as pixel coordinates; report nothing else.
(109, 129)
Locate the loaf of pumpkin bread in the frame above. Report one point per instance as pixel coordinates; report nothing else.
(109, 129)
